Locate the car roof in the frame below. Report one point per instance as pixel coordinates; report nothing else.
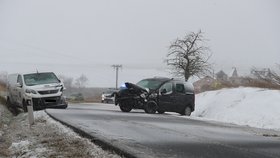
(165, 79)
(158, 78)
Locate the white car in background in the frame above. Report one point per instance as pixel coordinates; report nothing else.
(44, 88)
(108, 96)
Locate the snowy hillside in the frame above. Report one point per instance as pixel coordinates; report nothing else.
(254, 107)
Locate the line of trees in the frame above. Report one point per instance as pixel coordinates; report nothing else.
(267, 75)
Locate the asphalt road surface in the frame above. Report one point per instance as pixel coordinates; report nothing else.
(169, 135)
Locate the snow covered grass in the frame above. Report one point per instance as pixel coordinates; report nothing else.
(254, 107)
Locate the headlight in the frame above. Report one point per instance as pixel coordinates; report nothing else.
(153, 95)
(143, 95)
(30, 91)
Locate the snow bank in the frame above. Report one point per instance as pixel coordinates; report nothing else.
(254, 107)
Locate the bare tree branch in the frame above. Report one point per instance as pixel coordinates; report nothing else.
(188, 57)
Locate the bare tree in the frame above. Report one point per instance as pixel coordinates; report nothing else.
(276, 76)
(189, 57)
(81, 81)
(267, 75)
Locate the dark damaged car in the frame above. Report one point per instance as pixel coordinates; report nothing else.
(157, 95)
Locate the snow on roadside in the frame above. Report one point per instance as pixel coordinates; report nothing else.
(254, 107)
(46, 138)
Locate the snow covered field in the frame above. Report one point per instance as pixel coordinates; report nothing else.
(254, 107)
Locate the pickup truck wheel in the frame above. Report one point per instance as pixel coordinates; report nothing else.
(150, 107)
(125, 106)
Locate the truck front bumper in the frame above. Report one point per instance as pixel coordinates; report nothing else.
(49, 102)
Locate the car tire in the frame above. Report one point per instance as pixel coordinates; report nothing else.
(150, 107)
(187, 111)
(125, 106)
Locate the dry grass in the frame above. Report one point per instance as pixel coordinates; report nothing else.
(2, 100)
(245, 82)
(2, 87)
(258, 83)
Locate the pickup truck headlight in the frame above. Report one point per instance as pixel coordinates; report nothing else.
(30, 91)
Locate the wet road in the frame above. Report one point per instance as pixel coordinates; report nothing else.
(168, 135)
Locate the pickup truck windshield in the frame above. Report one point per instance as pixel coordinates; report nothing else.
(40, 78)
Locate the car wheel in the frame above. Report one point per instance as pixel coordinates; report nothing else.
(150, 107)
(125, 106)
(187, 111)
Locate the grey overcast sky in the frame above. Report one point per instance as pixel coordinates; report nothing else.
(74, 37)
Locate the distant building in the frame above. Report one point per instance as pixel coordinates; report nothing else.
(233, 73)
(233, 77)
(221, 76)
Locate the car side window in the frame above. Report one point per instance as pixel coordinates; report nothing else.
(168, 87)
(19, 80)
(180, 88)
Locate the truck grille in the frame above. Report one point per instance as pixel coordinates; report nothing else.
(48, 92)
(41, 102)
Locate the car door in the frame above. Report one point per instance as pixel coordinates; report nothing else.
(180, 98)
(166, 97)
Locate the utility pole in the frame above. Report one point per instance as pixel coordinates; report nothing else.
(116, 67)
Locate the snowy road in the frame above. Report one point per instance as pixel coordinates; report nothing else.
(168, 135)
